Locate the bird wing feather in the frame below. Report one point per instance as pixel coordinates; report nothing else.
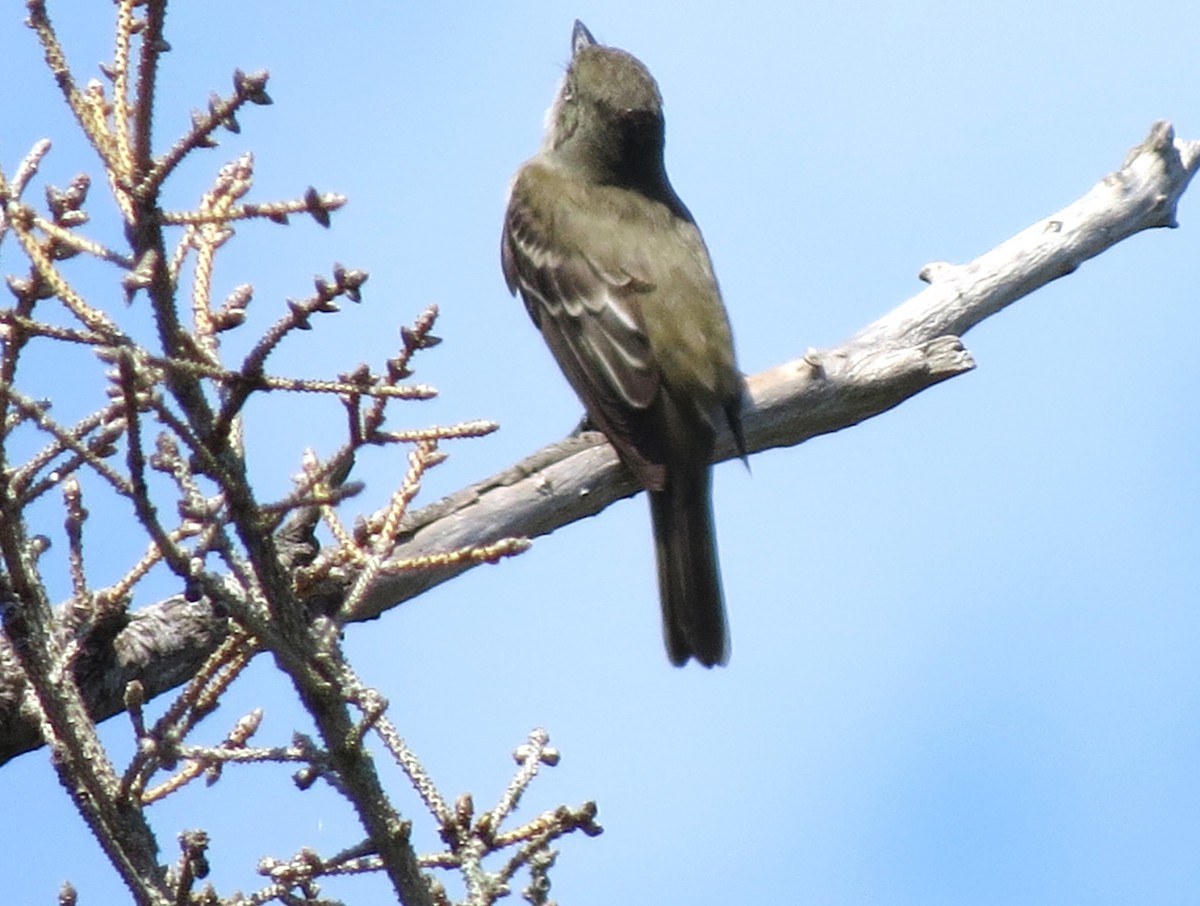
(589, 315)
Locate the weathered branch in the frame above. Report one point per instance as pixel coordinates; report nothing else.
(911, 348)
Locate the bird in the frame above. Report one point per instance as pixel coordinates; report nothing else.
(615, 274)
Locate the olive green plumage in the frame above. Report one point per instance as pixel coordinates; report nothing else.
(615, 274)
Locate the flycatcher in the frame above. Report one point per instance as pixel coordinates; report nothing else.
(614, 272)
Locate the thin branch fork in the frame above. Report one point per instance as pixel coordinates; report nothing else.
(909, 349)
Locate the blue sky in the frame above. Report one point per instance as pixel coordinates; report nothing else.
(964, 633)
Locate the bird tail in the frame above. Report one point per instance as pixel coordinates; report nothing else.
(689, 576)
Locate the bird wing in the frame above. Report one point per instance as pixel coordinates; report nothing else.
(587, 309)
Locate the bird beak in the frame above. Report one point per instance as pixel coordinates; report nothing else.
(580, 38)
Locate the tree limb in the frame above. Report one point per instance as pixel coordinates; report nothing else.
(912, 347)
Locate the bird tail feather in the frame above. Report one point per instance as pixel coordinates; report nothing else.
(689, 575)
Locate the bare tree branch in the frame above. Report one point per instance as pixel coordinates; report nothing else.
(912, 347)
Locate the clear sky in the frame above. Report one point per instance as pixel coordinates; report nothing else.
(965, 633)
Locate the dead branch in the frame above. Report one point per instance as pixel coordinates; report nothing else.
(911, 348)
